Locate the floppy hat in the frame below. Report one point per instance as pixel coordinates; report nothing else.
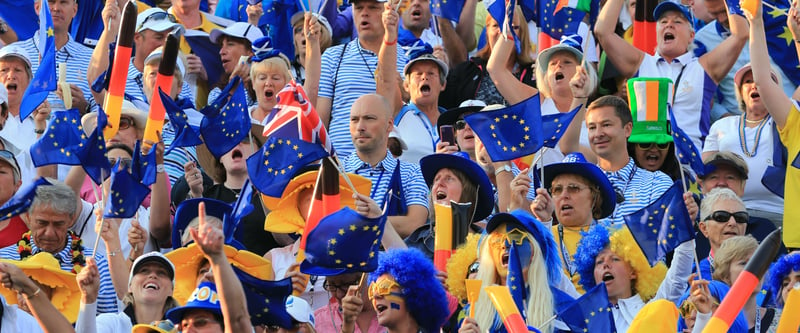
(161, 326)
(89, 120)
(151, 257)
(188, 210)
(299, 309)
(575, 163)
(284, 216)
(569, 43)
(155, 19)
(45, 269)
(451, 116)
(427, 57)
(189, 258)
(728, 158)
(649, 99)
(241, 30)
(668, 6)
(542, 235)
(460, 161)
(205, 297)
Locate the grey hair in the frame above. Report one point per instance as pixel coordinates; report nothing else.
(714, 196)
(57, 196)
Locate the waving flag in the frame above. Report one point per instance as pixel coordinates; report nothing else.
(511, 132)
(296, 118)
(185, 134)
(554, 24)
(208, 53)
(782, 48)
(685, 148)
(266, 299)
(44, 81)
(125, 194)
(19, 15)
(278, 15)
(64, 137)
(224, 128)
(21, 200)
(449, 9)
(277, 162)
(241, 208)
(143, 166)
(516, 281)
(590, 313)
(554, 126)
(93, 153)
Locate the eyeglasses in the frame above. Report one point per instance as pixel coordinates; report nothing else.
(197, 322)
(473, 268)
(125, 162)
(157, 16)
(126, 123)
(382, 287)
(648, 145)
(460, 124)
(722, 216)
(572, 189)
(338, 287)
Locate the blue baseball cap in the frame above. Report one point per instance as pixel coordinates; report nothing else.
(669, 6)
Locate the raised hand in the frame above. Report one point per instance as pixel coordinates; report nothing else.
(210, 240)
(89, 281)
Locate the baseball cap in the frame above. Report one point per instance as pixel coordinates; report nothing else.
(728, 158)
(239, 30)
(156, 56)
(155, 257)
(568, 43)
(299, 309)
(427, 57)
(8, 157)
(15, 51)
(155, 19)
(669, 6)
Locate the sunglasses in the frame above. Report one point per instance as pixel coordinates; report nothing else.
(648, 145)
(338, 287)
(722, 216)
(383, 287)
(473, 268)
(126, 123)
(460, 124)
(125, 162)
(572, 189)
(157, 16)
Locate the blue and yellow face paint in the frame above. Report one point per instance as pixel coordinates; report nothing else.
(387, 288)
(500, 242)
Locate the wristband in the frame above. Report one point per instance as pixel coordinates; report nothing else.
(390, 43)
(38, 290)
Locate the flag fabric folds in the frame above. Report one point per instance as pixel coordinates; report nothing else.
(589, 313)
(515, 280)
(343, 242)
(555, 24)
(296, 118)
(554, 126)
(241, 208)
(278, 15)
(19, 15)
(208, 52)
(226, 127)
(449, 9)
(511, 132)
(21, 200)
(125, 194)
(266, 299)
(59, 144)
(687, 152)
(93, 153)
(274, 165)
(663, 225)
(644, 26)
(185, 134)
(782, 48)
(44, 80)
(143, 166)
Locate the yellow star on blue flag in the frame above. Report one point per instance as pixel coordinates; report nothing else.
(226, 121)
(266, 300)
(62, 138)
(21, 201)
(273, 166)
(125, 193)
(511, 132)
(44, 80)
(590, 312)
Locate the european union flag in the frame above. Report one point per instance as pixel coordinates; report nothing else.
(278, 161)
(241, 208)
(185, 134)
(554, 126)
(64, 136)
(226, 127)
(343, 242)
(516, 281)
(19, 15)
(511, 132)
(590, 313)
(21, 200)
(685, 148)
(266, 300)
(277, 19)
(556, 24)
(449, 9)
(663, 225)
(500, 10)
(780, 43)
(143, 166)
(125, 194)
(93, 153)
(44, 81)
(208, 53)
(85, 27)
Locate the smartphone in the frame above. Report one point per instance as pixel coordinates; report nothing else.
(447, 134)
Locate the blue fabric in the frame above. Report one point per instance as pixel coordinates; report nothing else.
(93, 153)
(44, 80)
(511, 132)
(19, 15)
(185, 135)
(224, 127)
(685, 148)
(60, 142)
(21, 200)
(274, 165)
(589, 313)
(449, 9)
(266, 299)
(125, 194)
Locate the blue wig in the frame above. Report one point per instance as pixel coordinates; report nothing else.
(424, 295)
(718, 290)
(779, 270)
(543, 236)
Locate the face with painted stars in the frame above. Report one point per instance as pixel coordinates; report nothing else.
(387, 299)
(500, 243)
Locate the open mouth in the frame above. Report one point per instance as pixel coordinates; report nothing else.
(566, 208)
(151, 286)
(559, 76)
(416, 13)
(730, 233)
(11, 87)
(608, 277)
(425, 89)
(269, 93)
(754, 95)
(440, 195)
(668, 37)
(236, 154)
(651, 158)
(505, 259)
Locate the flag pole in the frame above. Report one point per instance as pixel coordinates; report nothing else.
(102, 210)
(335, 160)
(540, 162)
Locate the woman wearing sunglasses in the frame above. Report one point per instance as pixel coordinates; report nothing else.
(650, 143)
(722, 216)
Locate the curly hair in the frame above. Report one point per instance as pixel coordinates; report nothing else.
(778, 271)
(621, 242)
(423, 293)
(458, 266)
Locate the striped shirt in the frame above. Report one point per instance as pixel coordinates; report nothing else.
(134, 86)
(641, 187)
(106, 298)
(174, 161)
(414, 187)
(351, 70)
(75, 55)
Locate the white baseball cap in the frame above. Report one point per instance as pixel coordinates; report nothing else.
(239, 30)
(155, 19)
(299, 309)
(13, 50)
(149, 257)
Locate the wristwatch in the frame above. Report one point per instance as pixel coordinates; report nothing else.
(3, 28)
(504, 168)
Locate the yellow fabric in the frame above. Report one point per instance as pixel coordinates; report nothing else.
(141, 6)
(628, 35)
(660, 316)
(571, 238)
(142, 328)
(45, 270)
(790, 136)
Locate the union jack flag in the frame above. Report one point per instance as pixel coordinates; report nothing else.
(293, 117)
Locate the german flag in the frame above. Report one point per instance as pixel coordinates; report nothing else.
(119, 69)
(166, 70)
(326, 200)
(509, 314)
(644, 26)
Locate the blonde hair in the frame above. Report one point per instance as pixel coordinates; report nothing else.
(187, 236)
(732, 249)
(279, 64)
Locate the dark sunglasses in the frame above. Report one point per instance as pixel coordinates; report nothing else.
(126, 123)
(157, 16)
(123, 161)
(646, 146)
(722, 216)
(460, 124)
(473, 268)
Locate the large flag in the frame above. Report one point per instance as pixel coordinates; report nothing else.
(21, 200)
(278, 15)
(780, 43)
(19, 15)
(589, 313)
(44, 81)
(449, 9)
(511, 132)
(663, 225)
(93, 153)
(64, 136)
(684, 146)
(296, 118)
(125, 194)
(554, 24)
(185, 134)
(277, 162)
(644, 26)
(208, 52)
(266, 300)
(224, 128)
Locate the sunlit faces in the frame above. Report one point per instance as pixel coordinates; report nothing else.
(62, 12)
(387, 299)
(14, 74)
(417, 15)
(151, 284)
(423, 83)
(231, 49)
(7, 184)
(674, 34)
(200, 321)
(560, 69)
(446, 187)
(150, 73)
(607, 134)
(499, 242)
(724, 176)
(149, 40)
(370, 123)
(749, 92)
(616, 273)
(574, 201)
(49, 228)
(717, 232)
(650, 155)
(465, 137)
(269, 76)
(367, 19)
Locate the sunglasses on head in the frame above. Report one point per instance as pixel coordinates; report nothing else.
(157, 16)
(722, 216)
(648, 145)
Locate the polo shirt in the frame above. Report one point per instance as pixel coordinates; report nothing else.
(640, 186)
(417, 132)
(134, 85)
(348, 72)
(415, 189)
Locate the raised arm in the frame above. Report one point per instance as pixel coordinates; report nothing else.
(581, 89)
(719, 61)
(160, 226)
(111, 16)
(117, 266)
(466, 26)
(456, 52)
(386, 81)
(773, 96)
(513, 90)
(313, 61)
(625, 57)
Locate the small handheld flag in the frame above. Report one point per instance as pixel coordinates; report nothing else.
(44, 80)
(119, 69)
(509, 314)
(166, 70)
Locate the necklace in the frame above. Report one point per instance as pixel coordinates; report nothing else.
(25, 250)
(743, 137)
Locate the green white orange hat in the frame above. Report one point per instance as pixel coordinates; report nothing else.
(649, 99)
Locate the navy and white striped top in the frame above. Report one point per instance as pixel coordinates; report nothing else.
(106, 298)
(641, 187)
(354, 74)
(414, 187)
(134, 85)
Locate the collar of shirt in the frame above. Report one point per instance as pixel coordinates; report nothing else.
(63, 256)
(361, 49)
(353, 162)
(622, 175)
(682, 59)
(721, 30)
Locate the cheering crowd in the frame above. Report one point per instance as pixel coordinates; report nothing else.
(399, 166)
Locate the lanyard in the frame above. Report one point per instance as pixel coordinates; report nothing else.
(377, 184)
(565, 256)
(424, 118)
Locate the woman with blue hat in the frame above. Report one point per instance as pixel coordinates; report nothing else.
(269, 73)
(579, 195)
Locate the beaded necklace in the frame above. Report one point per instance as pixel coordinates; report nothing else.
(25, 250)
(743, 137)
